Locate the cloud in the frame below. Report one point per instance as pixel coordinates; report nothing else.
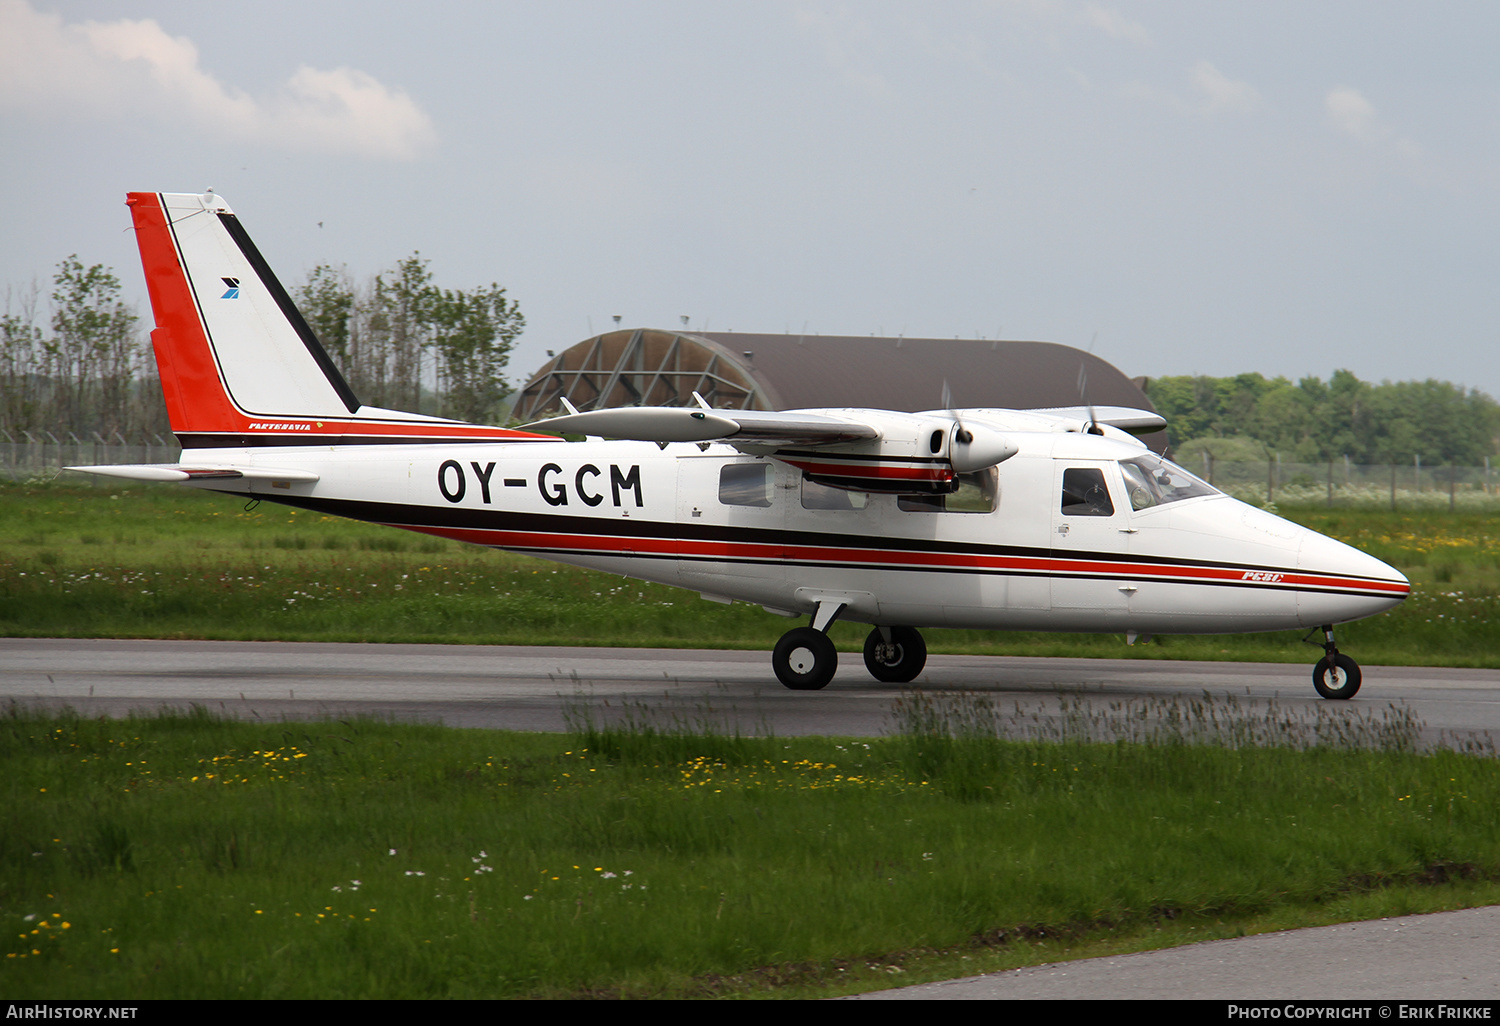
(1114, 24)
(848, 44)
(1218, 92)
(1211, 92)
(112, 69)
(1351, 114)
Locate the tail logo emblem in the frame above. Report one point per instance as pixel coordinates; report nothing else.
(234, 288)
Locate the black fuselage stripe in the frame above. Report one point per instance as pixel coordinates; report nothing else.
(464, 519)
(920, 569)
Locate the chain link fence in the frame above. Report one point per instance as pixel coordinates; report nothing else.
(1340, 483)
(40, 456)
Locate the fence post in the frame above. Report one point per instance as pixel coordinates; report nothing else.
(1452, 487)
(1393, 488)
(1330, 483)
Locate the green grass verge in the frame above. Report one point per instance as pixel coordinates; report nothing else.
(80, 561)
(182, 856)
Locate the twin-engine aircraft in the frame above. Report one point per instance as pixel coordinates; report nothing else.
(1047, 519)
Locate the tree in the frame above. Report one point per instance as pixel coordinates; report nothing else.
(403, 334)
(473, 335)
(21, 357)
(95, 350)
(401, 323)
(1315, 421)
(326, 300)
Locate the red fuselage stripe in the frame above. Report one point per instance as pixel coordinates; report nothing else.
(688, 549)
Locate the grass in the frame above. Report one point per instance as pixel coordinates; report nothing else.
(80, 561)
(181, 855)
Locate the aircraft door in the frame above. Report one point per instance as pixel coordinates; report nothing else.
(1088, 547)
(730, 514)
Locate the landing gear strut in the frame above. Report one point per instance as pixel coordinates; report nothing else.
(895, 655)
(1336, 675)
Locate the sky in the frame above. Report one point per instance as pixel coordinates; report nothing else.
(1187, 187)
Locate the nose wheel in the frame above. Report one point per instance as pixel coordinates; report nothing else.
(1336, 676)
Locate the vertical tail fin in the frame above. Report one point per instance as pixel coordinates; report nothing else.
(239, 364)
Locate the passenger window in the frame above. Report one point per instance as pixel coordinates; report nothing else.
(1085, 494)
(977, 493)
(821, 496)
(745, 484)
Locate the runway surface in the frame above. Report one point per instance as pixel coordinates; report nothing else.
(1448, 956)
(532, 688)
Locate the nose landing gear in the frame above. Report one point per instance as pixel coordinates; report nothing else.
(1336, 675)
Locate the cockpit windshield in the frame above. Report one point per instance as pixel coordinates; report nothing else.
(1153, 481)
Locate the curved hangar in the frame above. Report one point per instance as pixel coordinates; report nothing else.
(740, 371)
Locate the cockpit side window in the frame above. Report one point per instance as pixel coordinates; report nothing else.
(1085, 494)
(1153, 481)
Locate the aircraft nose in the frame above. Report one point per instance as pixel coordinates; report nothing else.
(1340, 583)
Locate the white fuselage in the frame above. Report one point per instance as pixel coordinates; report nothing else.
(1207, 564)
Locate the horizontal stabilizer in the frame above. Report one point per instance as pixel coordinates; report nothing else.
(685, 424)
(190, 472)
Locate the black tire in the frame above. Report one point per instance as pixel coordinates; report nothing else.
(804, 659)
(1341, 680)
(904, 659)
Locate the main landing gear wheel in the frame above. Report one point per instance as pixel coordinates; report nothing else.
(897, 661)
(1339, 678)
(804, 659)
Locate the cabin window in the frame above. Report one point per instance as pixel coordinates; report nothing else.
(745, 484)
(821, 496)
(1153, 481)
(977, 493)
(1085, 494)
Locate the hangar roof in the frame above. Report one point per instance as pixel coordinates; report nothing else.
(736, 370)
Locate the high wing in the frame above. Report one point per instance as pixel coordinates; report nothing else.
(761, 432)
(1136, 422)
(862, 450)
(744, 429)
(857, 450)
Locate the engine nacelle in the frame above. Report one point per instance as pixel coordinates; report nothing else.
(978, 447)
